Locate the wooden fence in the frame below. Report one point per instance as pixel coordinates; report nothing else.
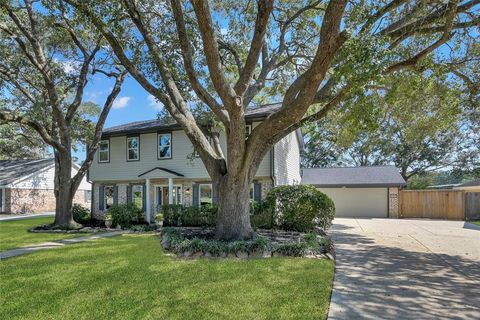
(472, 205)
(439, 204)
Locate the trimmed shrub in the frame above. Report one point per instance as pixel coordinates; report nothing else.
(184, 216)
(124, 215)
(80, 213)
(297, 208)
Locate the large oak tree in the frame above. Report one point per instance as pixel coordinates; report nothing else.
(417, 122)
(229, 55)
(46, 60)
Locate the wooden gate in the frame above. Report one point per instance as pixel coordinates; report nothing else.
(472, 205)
(432, 204)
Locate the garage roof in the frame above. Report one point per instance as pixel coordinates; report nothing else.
(375, 176)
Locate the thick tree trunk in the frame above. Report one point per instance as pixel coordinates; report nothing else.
(63, 191)
(233, 218)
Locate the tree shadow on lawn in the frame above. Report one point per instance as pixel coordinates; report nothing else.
(392, 283)
(131, 277)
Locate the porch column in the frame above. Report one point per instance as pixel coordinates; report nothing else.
(170, 191)
(147, 200)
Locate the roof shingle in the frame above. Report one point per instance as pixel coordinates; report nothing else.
(12, 170)
(151, 125)
(375, 176)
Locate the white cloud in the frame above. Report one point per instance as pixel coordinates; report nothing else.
(121, 102)
(154, 103)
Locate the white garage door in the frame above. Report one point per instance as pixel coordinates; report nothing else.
(359, 202)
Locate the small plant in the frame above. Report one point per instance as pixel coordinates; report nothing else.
(180, 215)
(80, 213)
(124, 215)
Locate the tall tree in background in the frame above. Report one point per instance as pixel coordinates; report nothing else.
(46, 59)
(310, 55)
(20, 142)
(418, 123)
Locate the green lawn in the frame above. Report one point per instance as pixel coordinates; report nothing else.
(129, 277)
(14, 234)
(477, 222)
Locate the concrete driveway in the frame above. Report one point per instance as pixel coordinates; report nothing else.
(406, 269)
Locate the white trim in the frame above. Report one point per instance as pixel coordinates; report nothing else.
(100, 151)
(137, 148)
(158, 145)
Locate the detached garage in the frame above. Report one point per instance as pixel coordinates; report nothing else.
(362, 192)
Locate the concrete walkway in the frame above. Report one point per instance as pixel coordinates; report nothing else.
(12, 217)
(406, 269)
(55, 244)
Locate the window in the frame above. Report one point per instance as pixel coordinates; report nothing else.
(165, 146)
(195, 152)
(108, 196)
(137, 195)
(104, 151)
(248, 129)
(205, 194)
(133, 148)
(252, 193)
(88, 195)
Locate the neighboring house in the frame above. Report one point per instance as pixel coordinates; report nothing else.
(359, 191)
(27, 186)
(152, 163)
(470, 186)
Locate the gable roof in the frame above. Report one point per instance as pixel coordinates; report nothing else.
(375, 176)
(252, 114)
(12, 170)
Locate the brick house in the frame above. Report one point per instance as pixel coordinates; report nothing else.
(26, 186)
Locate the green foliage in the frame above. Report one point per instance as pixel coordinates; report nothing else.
(80, 213)
(417, 122)
(188, 216)
(298, 208)
(124, 215)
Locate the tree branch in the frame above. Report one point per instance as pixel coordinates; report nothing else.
(264, 10)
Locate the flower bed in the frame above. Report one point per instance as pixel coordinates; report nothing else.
(198, 242)
(48, 228)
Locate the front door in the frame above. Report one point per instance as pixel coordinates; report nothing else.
(161, 195)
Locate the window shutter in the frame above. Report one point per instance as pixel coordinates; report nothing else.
(115, 195)
(144, 196)
(129, 193)
(214, 193)
(257, 192)
(101, 198)
(195, 200)
(1, 201)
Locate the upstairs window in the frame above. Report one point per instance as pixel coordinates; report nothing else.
(104, 151)
(248, 129)
(164, 146)
(133, 148)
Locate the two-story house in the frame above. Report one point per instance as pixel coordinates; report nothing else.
(152, 163)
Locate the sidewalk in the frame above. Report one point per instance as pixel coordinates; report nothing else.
(13, 217)
(55, 244)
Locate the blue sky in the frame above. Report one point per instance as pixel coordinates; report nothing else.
(132, 104)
